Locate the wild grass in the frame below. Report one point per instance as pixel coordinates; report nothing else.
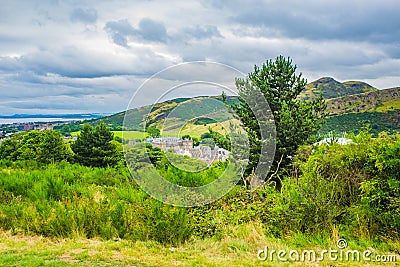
(238, 246)
(66, 200)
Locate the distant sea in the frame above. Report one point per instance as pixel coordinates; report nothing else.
(27, 120)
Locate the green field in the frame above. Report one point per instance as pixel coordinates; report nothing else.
(197, 130)
(130, 134)
(127, 134)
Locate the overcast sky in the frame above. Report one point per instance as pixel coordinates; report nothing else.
(91, 56)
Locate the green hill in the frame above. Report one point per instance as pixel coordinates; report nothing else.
(167, 115)
(379, 109)
(330, 88)
(351, 105)
(175, 115)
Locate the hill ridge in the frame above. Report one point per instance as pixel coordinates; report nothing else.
(331, 88)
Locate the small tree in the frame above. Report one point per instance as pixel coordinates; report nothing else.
(40, 146)
(153, 131)
(94, 147)
(9, 147)
(53, 148)
(295, 120)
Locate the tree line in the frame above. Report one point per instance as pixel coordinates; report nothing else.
(94, 147)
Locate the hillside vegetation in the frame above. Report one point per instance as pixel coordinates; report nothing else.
(353, 122)
(381, 100)
(160, 207)
(99, 216)
(330, 88)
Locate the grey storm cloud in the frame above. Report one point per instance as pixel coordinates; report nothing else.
(349, 20)
(152, 30)
(88, 15)
(148, 30)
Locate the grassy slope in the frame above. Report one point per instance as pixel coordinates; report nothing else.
(380, 109)
(178, 111)
(239, 248)
(197, 130)
(382, 100)
(389, 105)
(191, 129)
(126, 134)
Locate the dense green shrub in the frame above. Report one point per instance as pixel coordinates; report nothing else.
(238, 207)
(42, 147)
(66, 200)
(355, 122)
(351, 190)
(354, 186)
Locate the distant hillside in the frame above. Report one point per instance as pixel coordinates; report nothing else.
(353, 122)
(137, 115)
(351, 104)
(330, 88)
(379, 109)
(167, 115)
(379, 100)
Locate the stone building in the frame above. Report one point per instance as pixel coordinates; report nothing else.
(185, 147)
(174, 143)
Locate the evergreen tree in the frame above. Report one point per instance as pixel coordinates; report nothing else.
(153, 132)
(94, 147)
(295, 120)
(53, 148)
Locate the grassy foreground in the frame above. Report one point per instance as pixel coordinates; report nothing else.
(238, 248)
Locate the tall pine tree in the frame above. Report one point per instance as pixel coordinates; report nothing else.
(295, 120)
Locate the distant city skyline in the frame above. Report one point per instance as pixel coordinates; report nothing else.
(91, 56)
